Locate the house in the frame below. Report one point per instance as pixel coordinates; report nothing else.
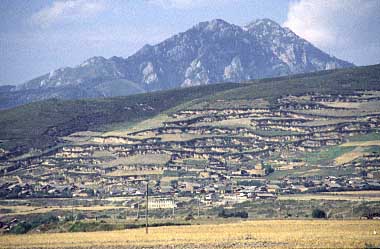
(230, 199)
(374, 175)
(273, 188)
(166, 189)
(161, 203)
(265, 196)
(256, 172)
(204, 174)
(210, 198)
(191, 186)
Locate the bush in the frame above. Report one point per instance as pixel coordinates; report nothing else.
(318, 213)
(189, 217)
(90, 227)
(269, 169)
(238, 214)
(24, 227)
(21, 228)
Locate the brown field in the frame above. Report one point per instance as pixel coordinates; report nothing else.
(342, 104)
(362, 193)
(350, 156)
(151, 123)
(233, 123)
(141, 159)
(249, 234)
(333, 196)
(362, 143)
(135, 172)
(23, 210)
(179, 137)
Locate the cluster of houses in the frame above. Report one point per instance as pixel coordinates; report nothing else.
(236, 158)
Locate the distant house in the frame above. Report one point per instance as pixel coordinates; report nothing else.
(204, 174)
(273, 188)
(166, 189)
(231, 199)
(374, 175)
(265, 196)
(161, 203)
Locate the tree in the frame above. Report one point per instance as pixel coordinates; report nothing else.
(318, 213)
(268, 169)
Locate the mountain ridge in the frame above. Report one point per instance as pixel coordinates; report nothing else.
(210, 52)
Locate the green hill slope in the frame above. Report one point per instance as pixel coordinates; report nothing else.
(38, 125)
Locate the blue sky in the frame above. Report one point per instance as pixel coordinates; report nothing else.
(39, 36)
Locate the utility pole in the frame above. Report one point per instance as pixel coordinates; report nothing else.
(298, 208)
(146, 208)
(199, 205)
(173, 208)
(72, 209)
(138, 210)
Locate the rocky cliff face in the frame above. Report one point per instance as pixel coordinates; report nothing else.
(209, 52)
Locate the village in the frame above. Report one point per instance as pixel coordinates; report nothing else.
(219, 156)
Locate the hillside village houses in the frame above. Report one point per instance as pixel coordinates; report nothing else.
(222, 164)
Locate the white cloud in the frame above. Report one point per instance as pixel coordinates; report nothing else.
(347, 28)
(69, 10)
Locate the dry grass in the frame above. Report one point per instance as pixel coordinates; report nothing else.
(342, 104)
(330, 196)
(364, 193)
(359, 109)
(250, 234)
(179, 137)
(135, 172)
(232, 123)
(22, 210)
(349, 156)
(362, 143)
(141, 159)
(151, 123)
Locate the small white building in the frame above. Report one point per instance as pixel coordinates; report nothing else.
(161, 203)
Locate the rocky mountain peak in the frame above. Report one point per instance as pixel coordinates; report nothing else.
(267, 23)
(94, 61)
(210, 52)
(213, 25)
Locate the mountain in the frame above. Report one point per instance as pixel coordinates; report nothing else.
(210, 52)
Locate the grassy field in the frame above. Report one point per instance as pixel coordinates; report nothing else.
(249, 234)
(326, 155)
(24, 210)
(39, 124)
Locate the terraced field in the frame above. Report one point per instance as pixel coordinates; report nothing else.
(238, 135)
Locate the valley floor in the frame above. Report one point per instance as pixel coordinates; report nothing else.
(247, 234)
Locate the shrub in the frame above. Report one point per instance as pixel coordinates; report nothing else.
(189, 217)
(318, 213)
(239, 214)
(21, 228)
(24, 227)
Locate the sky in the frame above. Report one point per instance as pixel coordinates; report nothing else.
(39, 36)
